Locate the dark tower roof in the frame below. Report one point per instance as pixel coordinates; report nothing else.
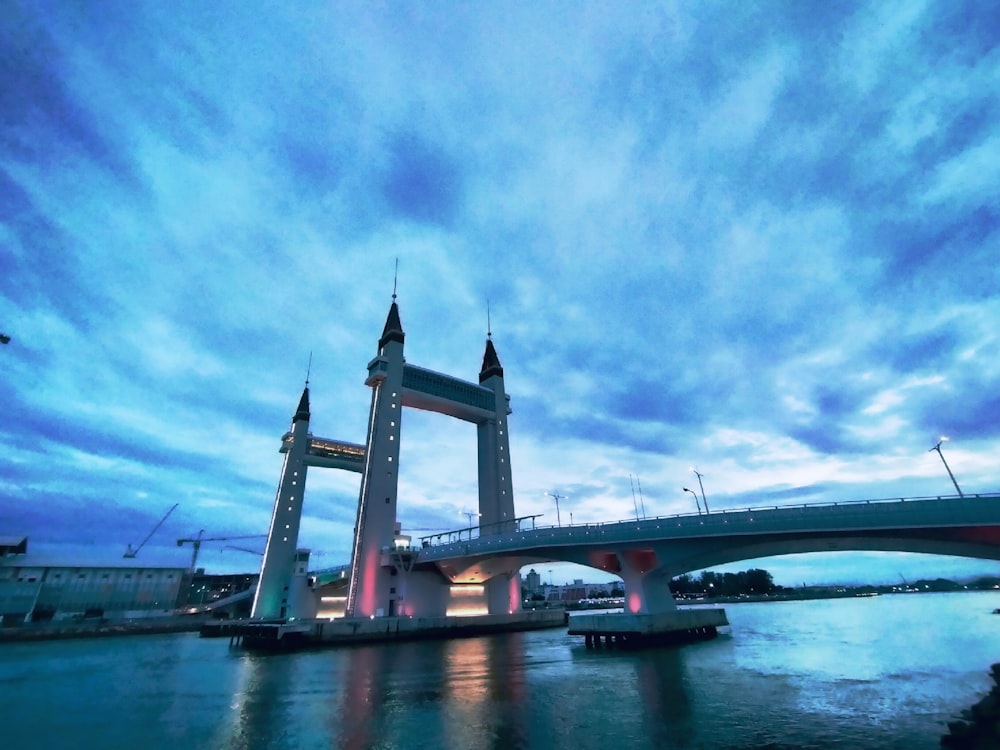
(303, 411)
(491, 363)
(393, 330)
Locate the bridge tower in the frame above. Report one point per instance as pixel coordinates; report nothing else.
(369, 591)
(277, 594)
(496, 493)
(381, 583)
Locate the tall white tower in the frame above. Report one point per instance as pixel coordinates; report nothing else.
(496, 493)
(496, 496)
(370, 592)
(273, 599)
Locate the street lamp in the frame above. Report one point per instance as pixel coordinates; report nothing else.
(703, 500)
(695, 499)
(938, 449)
(557, 497)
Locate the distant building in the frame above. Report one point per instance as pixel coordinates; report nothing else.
(533, 582)
(36, 587)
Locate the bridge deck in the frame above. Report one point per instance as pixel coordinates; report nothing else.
(863, 515)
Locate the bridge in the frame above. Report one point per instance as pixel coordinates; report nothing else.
(647, 553)
(482, 563)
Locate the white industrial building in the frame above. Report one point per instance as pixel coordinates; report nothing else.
(47, 586)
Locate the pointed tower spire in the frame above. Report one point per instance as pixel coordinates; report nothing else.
(393, 330)
(303, 411)
(491, 363)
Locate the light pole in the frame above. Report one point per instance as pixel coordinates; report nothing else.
(938, 449)
(695, 499)
(471, 514)
(700, 475)
(557, 498)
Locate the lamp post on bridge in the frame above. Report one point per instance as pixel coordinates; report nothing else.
(557, 497)
(700, 475)
(695, 499)
(470, 514)
(938, 449)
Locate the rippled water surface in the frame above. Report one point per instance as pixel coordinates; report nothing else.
(881, 672)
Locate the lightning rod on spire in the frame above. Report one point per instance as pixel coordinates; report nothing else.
(489, 324)
(395, 275)
(309, 368)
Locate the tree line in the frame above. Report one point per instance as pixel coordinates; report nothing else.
(753, 581)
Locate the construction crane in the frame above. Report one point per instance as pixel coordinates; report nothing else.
(196, 542)
(129, 553)
(243, 549)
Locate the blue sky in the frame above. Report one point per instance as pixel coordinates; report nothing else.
(756, 238)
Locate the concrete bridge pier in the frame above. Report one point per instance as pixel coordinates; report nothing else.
(647, 586)
(503, 593)
(651, 615)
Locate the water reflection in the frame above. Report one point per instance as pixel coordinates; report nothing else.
(661, 678)
(261, 704)
(845, 674)
(357, 723)
(508, 691)
(484, 691)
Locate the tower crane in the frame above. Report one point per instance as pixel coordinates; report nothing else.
(244, 549)
(196, 542)
(129, 553)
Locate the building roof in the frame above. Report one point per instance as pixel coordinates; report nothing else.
(51, 555)
(13, 545)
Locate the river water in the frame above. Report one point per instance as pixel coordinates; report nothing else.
(880, 672)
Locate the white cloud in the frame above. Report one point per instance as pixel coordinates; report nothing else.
(699, 248)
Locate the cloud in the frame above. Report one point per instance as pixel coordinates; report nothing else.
(757, 240)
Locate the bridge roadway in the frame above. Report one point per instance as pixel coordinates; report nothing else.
(665, 547)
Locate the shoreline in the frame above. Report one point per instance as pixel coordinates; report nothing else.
(34, 632)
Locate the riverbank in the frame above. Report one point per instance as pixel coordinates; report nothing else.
(979, 728)
(97, 628)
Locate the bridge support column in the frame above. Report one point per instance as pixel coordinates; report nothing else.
(647, 588)
(503, 593)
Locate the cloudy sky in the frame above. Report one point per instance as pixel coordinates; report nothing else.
(760, 239)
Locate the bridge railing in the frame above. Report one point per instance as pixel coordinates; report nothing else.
(474, 532)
